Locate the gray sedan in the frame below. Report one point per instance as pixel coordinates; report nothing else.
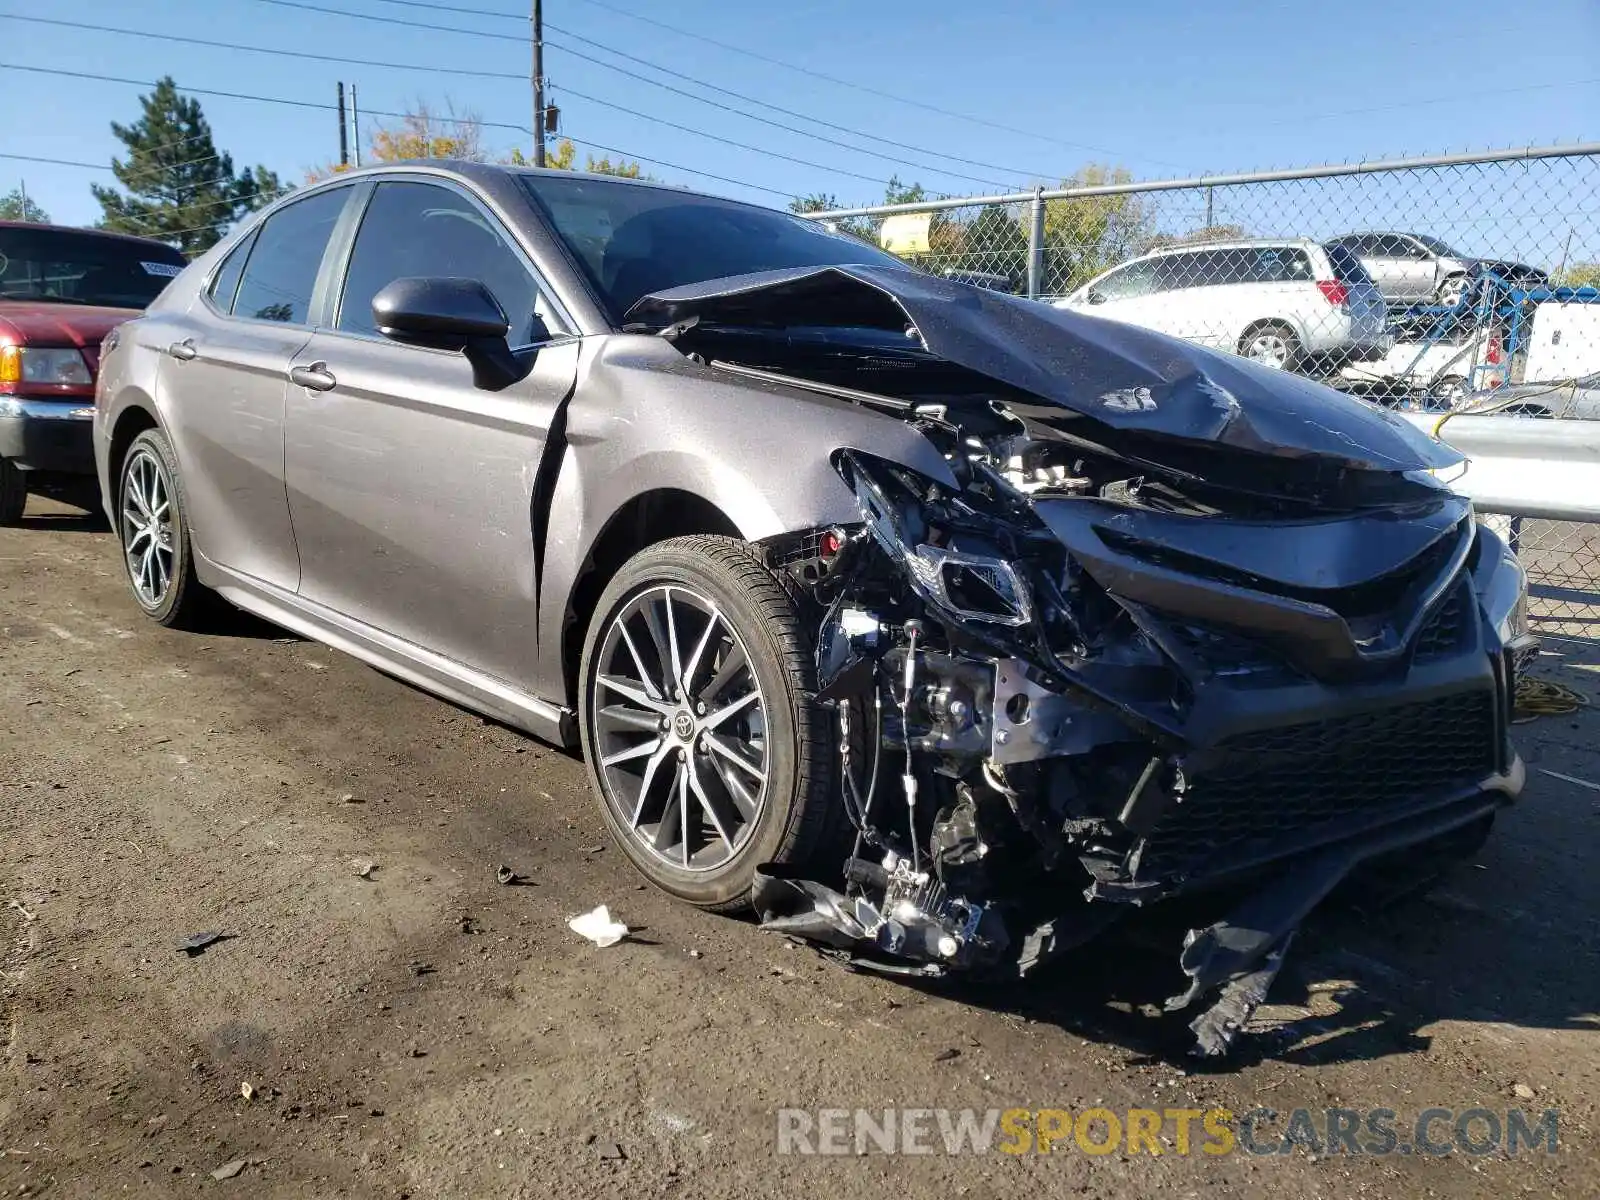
(941, 627)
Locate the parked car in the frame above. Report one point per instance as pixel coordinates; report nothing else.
(937, 624)
(1413, 268)
(1284, 303)
(1575, 398)
(61, 291)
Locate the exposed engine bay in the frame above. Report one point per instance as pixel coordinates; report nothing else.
(1168, 626)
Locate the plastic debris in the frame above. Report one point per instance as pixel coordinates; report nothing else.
(598, 927)
(505, 876)
(363, 868)
(228, 1170)
(247, 1090)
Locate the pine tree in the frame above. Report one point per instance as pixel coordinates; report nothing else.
(180, 188)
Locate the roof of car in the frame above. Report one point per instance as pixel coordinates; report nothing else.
(1234, 244)
(82, 232)
(470, 170)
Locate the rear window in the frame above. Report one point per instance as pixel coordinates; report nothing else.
(1347, 267)
(63, 266)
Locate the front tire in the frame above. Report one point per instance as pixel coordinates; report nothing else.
(153, 530)
(13, 492)
(701, 739)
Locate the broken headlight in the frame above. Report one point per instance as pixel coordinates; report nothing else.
(971, 587)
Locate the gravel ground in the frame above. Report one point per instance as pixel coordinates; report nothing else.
(427, 1032)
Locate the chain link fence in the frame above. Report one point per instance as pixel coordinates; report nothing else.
(1448, 283)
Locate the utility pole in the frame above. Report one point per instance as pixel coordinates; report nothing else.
(1211, 216)
(355, 124)
(26, 217)
(538, 83)
(344, 132)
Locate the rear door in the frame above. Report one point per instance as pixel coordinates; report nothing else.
(223, 383)
(1410, 269)
(411, 489)
(1196, 299)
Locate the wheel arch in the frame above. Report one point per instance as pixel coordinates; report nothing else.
(656, 515)
(134, 418)
(1260, 323)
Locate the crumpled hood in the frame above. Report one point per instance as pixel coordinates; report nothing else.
(40, 323)
(1122, 376)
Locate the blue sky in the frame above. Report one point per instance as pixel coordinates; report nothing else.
(1162, 87)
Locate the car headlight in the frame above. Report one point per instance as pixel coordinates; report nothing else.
(972, 587)
(36, 364)
(1502, 587)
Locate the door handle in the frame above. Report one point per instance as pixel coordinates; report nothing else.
(183, 351)
(315, 377)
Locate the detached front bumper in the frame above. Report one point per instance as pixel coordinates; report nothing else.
(53, 436)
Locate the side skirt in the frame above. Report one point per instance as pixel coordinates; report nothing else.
(405, 660)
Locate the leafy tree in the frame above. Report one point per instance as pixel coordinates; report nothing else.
(180, 187)
(1206, 233)
(563, 157)
(1580, 274)
(14, 206)
(1083, 235)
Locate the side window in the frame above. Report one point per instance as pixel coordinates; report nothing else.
(1192, 269)
(419, 229)
(225, 283)
(282, 268)
(1227, 266)
(1127, 283)
(1280, 264)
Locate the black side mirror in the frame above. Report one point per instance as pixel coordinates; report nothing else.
(450, 314)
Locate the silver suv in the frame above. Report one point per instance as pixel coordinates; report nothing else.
(936, 624)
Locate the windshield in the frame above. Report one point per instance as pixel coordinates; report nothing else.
(65, 267)
(635, 240)
(1438, 247)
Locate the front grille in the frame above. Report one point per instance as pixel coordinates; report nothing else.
(1447, 627)
(1324, 777)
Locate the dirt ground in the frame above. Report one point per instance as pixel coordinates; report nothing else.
(427, 1032)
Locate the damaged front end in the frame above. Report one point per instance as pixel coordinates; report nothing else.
(1147, 638)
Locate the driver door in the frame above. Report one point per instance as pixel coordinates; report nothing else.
(410, 488)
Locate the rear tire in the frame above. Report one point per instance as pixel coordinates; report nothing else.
(153, 531)
(695, 799)
(13, 492)
(1271, 344)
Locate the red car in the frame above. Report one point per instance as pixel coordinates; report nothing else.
(61, 291)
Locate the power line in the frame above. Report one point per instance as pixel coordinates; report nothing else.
(365, 62)
(505, 37)
(762, 150)
(300, 54)
(378, 112)
(788, 66)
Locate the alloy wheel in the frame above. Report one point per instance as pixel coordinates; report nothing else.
(1269, 348)
(147, 529)
(1452, 290)
(680, 729)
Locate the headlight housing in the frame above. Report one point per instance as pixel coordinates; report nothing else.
(39, 364)
(971, 587)
(1502, 587)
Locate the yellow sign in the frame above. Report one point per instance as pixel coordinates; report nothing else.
(905, 233)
